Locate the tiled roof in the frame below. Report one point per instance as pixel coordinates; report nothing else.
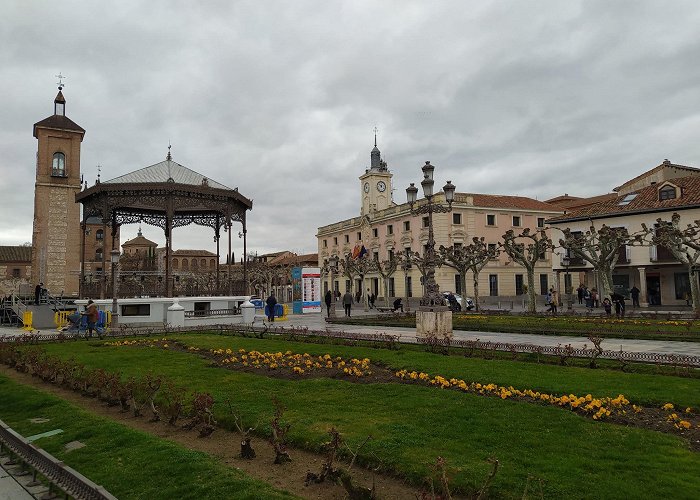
(161, 172)
(15, 254)
(664, 164)
(60, 122)
(193, 253)
(521, 202)
(567, 202)
(298, 259)
(140, 241)
(646, 200)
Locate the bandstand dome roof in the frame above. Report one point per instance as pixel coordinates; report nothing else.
(166, 171)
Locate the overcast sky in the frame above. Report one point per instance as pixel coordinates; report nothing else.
(280, 99)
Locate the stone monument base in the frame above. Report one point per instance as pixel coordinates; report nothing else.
(434, 321)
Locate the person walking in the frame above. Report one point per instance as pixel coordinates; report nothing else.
(347, 303)
(607, 305)
(271, 303)
(579, 292)
(619, 302)
(588, 299)
(37, 293)
(92, 316)
(553, 298)
(634, 292)
(329, 300)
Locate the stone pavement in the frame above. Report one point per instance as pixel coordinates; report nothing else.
(10, 488)
(317, 322)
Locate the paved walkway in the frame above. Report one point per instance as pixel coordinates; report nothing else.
(10, 489)
(317, 322)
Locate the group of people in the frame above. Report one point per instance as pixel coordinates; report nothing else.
(348, 299)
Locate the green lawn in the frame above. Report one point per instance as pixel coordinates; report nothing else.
(412, 425)
(632, 328)
(128, 463)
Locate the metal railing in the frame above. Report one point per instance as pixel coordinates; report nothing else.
(212, 313)
(58, 474)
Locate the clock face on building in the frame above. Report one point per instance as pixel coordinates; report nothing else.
(381, 186)
(366, 188)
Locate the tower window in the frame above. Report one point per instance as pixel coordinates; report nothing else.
(58, 168)
(99, 235)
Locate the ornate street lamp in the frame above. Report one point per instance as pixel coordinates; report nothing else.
(332, 265)
(115, 288)
(566, 262)
(431, 296)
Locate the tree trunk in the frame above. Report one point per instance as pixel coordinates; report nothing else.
(607, 283)
(476, 290)
(694, 289)
(386, 291)
(532, 305)
(463, 286)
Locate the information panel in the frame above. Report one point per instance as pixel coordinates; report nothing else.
(311, 289)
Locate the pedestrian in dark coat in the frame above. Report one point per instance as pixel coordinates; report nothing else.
(271, 303)
(37, 293)
(634, 292)
(579, 291)
(347, 303)
(619, 302)
(329, 300)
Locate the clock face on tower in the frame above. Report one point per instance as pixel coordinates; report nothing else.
(381, 186)
(366, 188)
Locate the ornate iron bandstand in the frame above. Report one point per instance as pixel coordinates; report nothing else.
(167, 195)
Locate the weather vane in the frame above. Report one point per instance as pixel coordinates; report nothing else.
(60, 81)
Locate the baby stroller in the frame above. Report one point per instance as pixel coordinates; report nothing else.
(77, 323)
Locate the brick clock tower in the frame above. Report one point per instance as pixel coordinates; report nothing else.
(56, 233)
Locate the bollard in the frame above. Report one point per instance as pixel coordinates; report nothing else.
(27, 318)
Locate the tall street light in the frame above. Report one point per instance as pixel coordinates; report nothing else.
(431, 296)
(332, 263)
(566, 262)
(115, 288)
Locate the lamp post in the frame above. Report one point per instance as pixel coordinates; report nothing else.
(332, 264)
(566, 261)
(431, 295)
(406, 265)
(115, 288)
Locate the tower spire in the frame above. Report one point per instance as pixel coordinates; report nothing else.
(375, 156)
(169, 157)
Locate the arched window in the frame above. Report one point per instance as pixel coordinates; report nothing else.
(99, 235)
(203, 263)
(175, 263)
(212, 263)
(185, 264)
(58, 168)
(194, 263)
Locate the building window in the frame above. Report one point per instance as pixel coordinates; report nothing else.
(176, 264)
(492, 249)
(407, 225)
(347, 238)
(375, 232)
(392, 289)
(335, 240)
(682, 285)
(667, 193)
(456, 218)
(540, 221)
(426, 221)
(98, 255)
(375, 256)
(347, 286)
(490, 220)
(458, 284)
(390, 254)
(407, 257)
(16, 273)
(457, 245)
(99, 235)
(519, 289)
(359, 236)
(389, 229)
(544, 284)
(493, 285)
(58, 168)
(325, 243)
(136, 310)
(409, 287)
(516, 221)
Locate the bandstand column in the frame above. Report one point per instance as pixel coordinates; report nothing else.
(230, 258)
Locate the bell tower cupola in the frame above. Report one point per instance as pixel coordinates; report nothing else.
(375, 184)
(56, 233)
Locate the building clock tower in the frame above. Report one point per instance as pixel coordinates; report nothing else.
(56, 233)
(375, 184)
